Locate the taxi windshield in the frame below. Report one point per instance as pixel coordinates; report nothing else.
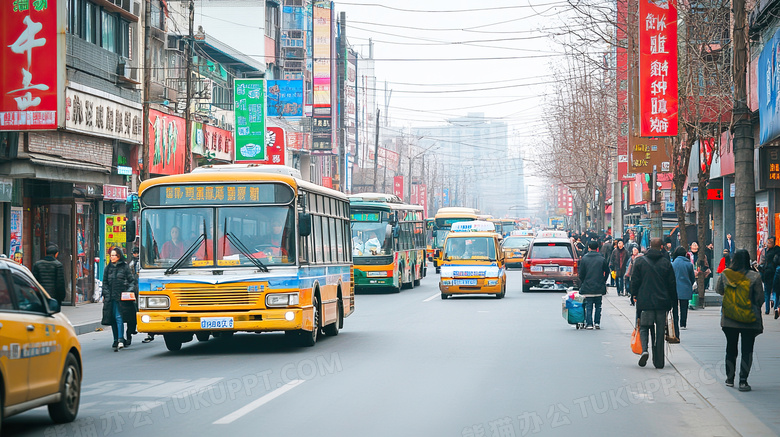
(516, 243)
(475, 248)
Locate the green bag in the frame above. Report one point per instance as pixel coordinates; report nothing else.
(736, 298)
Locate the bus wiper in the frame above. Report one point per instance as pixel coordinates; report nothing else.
(188, 253)
(236, 242)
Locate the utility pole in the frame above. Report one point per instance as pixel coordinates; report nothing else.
(147, 83)
(745, 196)
(376, 149)
(342, 89)
(188, 100)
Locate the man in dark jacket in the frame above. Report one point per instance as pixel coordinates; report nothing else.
(618, 263)
(606, 251)
(653, 285)
(593, 272)
(769, 262)
(51, 274)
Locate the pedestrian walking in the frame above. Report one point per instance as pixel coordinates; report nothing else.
(725, 261)
(770, 259)
(729, 244)
(684, 279)
(635, 253)
(580, 247)
(606, 250)
(593, 272)
(653, 287)
(740, 316)
(618, 263)
(119, 299)
(50, 273)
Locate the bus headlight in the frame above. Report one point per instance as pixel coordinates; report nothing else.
(281, 299)
(154, 302)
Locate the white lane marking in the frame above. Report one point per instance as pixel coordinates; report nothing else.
(257, 403)
(432, 297)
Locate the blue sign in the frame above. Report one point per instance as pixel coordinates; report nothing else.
(285, 98)
(445, 201)
(768, 90)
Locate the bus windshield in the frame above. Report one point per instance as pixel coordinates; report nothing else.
(371, 239)
(262, 232)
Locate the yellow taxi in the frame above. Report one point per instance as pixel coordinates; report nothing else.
(515, 246)
(40, 355)
(472, 261)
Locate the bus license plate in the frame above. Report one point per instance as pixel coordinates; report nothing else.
(216, 323)
(464, 282)
(551, 269)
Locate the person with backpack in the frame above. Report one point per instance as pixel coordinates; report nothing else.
(743, 295)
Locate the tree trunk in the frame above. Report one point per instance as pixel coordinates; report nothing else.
(679, 208)
(702, 219)
(745, 196)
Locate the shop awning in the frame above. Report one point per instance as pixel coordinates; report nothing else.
(47, 167)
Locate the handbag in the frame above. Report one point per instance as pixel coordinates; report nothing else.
(670, 335)
(108, 314)
(636, 342)
(128, 295)
(614, 274)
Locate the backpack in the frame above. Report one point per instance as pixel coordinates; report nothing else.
(736, 298)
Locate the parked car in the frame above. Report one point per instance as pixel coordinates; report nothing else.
(551, 263)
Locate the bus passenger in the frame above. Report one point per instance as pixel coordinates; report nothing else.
(372, 244)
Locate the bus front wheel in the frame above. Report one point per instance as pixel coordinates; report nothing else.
(309, 338)
(172, 342)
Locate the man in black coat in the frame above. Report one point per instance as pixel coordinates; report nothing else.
(50, 273)
(593, 272)
(654, 288)
(769, 262)
(618, 262)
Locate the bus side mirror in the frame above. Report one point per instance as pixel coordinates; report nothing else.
(130, 230)
(304, 224)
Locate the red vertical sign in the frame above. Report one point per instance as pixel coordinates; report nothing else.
(398, 186)
(658, 68)
(166, 143)
(274, 146)
(422, 197)
(327, 182)
(28, 55)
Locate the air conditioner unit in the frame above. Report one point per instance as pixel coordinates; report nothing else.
(172, 42)
(122, 68)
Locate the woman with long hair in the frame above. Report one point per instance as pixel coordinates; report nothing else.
(119, 298)
(740, 314)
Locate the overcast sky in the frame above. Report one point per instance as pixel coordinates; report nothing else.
(446, 58)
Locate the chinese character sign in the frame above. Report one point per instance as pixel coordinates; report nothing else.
(658, 67)
(398, 186)
(768, 86)
(250, 119)
(322, 67)
(28, 55)
(166, 143)
(274, 146)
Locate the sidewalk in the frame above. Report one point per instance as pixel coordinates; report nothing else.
(85, 317)
(699, 358)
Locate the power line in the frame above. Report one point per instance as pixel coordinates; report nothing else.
(446, 11)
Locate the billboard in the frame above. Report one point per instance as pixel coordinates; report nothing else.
(274, 146)
(398, 186)
(212, 142)
(768, 78)
(322, 55)
(250, 120)
(166, 141)
(285, 98)
(658, 68)
(29, 56)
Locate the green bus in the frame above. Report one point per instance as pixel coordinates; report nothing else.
(388, 242)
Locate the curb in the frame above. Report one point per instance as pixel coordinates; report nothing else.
(87, 327)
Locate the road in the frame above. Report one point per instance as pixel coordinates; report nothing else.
(405, 364)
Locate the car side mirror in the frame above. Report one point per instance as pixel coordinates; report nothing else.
(304, 224)
(54, 306)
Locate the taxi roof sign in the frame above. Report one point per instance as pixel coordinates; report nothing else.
(552, 234)
(473, 226)
(523, 233)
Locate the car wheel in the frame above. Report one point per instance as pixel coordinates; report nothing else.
(526, 287)
(172, 342)
(332, 330)
(309, 338)
(203, 336)
(67, 408)
(445, 296)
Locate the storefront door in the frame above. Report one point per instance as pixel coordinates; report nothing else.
(85, 255)
(52, 224)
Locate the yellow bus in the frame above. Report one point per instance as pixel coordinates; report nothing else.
(243, 248)
(442, 223)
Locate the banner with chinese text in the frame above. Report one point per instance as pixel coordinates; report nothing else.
(398, 186)
(250, 119)
(28, 54)
(166, 143)
(658, 68)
